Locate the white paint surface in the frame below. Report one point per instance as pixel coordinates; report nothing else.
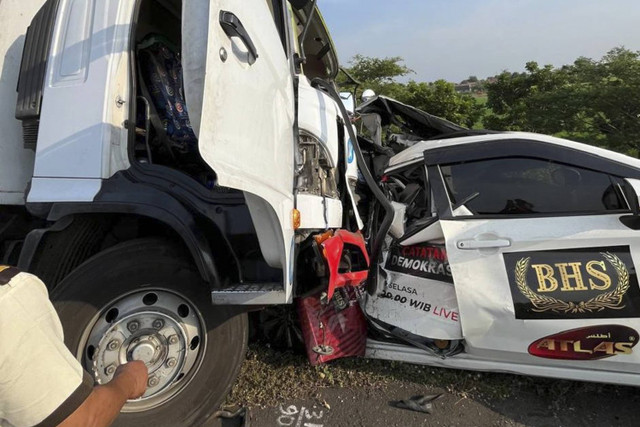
(421, 306)
(318, 213)
(82, 132)
(246, 132)
(16, 163)
(351, 174)
(567, 369)
(45, 190)
(318, 115)
(489, 325)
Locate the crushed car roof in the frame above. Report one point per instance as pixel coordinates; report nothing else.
(410, 119)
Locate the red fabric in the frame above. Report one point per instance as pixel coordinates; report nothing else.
(345, 331)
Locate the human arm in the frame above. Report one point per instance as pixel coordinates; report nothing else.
(41, 382)
(103, 405)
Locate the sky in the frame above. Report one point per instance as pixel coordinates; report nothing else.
(454, 39)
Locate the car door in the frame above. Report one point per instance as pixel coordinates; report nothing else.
(245, 125)
(544, 270)
(415, 292)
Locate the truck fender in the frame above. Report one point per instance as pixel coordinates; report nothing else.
(138, 200)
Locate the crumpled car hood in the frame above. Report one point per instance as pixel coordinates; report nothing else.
(413, 122)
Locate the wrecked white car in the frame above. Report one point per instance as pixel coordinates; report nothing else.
(508, 252)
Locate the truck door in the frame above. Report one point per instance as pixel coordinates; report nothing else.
(544, 270)
(247, 116)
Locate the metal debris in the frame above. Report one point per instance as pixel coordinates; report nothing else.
(422, 403)
(239, 418)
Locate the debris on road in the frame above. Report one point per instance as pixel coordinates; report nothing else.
(239, 418)
(418, 403)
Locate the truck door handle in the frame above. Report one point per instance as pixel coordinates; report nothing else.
(234, 28)
(483, 244)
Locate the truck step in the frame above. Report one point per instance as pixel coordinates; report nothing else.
(250, 294)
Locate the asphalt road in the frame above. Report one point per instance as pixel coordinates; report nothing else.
(338, 407)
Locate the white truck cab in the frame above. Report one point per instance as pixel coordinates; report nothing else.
(176, 161)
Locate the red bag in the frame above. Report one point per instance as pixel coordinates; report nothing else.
(334, 329)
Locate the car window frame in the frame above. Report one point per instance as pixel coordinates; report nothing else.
(613, 182)
(508, 148)
(432, 217)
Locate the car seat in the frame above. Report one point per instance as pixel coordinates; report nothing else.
(160, 79)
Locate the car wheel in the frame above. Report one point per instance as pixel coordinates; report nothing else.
(144, 300)
(279, 325)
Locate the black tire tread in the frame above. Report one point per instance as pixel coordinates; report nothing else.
(76, 299)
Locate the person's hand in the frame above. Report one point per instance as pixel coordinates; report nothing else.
(133, 376)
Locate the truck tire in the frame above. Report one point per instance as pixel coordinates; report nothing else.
(145, 299)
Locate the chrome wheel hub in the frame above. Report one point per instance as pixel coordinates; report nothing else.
(160, 328)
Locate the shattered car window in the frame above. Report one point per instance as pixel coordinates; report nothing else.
(410, 187)
(529, 186)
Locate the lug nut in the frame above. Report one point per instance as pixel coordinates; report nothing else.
(158, 323)
(152, 382)
(133, 326)
(113, 345)
(173, 339)
(171, 362)
(109, 370)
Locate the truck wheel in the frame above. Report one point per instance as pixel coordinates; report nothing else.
(143, 299)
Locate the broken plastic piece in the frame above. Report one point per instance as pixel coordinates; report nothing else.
(323, 350)
(239, 418)
(321, 238)
(422, 404)
(345, 247)
(296, 219)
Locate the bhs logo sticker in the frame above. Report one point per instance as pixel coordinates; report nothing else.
(588, 283)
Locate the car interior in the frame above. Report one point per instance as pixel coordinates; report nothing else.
(164, 135)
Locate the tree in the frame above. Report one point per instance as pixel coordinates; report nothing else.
(597, 102)
(378, 71)
(441, 99)
(614, 102)
(438, 98)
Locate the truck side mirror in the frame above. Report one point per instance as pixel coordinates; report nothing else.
(348, 101)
